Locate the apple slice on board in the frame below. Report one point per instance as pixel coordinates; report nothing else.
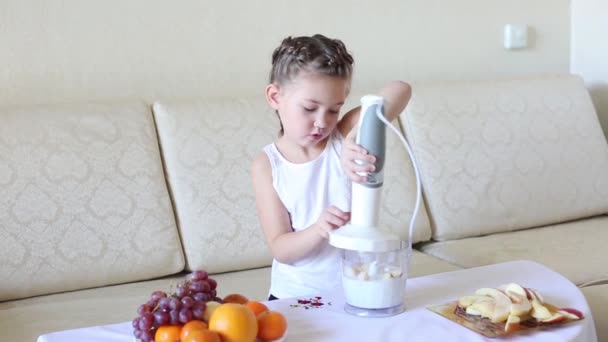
(513, 304)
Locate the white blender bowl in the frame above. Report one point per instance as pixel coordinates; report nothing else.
(374, 261)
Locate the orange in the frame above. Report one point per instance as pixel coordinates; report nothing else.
(191, 327)
(272, 325)
(256, 307)
(236, 298)
(167, 333)
(234, 322)
(203, 336)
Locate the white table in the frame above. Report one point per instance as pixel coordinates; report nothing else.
(331, 323)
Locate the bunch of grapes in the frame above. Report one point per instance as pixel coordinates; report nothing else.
(188, 302)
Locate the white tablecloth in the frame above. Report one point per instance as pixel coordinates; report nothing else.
(329, 322)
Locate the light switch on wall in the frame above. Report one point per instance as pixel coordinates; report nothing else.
(515, 36)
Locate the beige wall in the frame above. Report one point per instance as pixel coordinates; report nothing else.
(66, 50)
(589, 53)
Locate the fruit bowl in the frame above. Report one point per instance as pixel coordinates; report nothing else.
(495, 312)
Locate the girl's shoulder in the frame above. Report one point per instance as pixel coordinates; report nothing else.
(260, 163)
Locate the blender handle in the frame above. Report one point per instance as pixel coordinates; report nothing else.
(371, 135)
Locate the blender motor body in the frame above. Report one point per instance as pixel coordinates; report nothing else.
(374, 260)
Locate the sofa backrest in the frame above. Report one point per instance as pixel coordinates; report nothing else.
(83, 200)
(506, 155)
(208, 146)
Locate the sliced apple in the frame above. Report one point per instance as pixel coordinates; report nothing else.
(373, 269)
(466, 301)
(362, 276)
(534, 293)
(520, 305)
(396, 273)
(555, 318)
(472, 311)
(512, 323)
(515, 288)
(350, 272)
(483, 308)
(570, 313)
(539, 311)
(502, 307)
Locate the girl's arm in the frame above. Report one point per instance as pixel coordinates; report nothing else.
(286, 245)
(396, 96)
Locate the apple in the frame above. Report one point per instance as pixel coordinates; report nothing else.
(555, 318)
(503, 303)
(512, 323)
(515, 288)
(570, 313)
(350, 272)
(534, 293)
(373, 269)
(483, 308)
(471, 311)
(520, 305)
(466, 301)
(362, 276)
(211, 306)
(396, 273)
(539, 311)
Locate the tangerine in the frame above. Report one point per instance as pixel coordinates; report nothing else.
(272, 325)
(234, 322)
(168, 333)
(203, 336)
(256, 307)
(191, 327)
(236, 298)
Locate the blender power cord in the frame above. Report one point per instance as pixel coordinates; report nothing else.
(416, 173)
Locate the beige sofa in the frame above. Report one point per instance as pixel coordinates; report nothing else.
(100, 204)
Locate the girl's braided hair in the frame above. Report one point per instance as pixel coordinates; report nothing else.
(317, 54)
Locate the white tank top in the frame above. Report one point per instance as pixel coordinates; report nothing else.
(307, 190)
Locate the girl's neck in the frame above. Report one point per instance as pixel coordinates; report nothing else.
(298, 154)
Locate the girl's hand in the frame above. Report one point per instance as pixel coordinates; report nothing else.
(332, 218)
(351, 152)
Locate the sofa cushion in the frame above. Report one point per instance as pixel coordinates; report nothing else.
(597, 297)
(507, 155)
(208, 146)
(83, 200)
(574, 249)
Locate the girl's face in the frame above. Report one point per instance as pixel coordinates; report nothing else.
(308, 106)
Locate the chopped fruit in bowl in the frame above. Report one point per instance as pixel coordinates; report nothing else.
(506, 309)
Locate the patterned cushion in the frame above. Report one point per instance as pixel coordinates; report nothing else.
(208, 146)
(83, 201)
(507, 155)
(574, 249)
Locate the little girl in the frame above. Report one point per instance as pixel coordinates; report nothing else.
(302, 180)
